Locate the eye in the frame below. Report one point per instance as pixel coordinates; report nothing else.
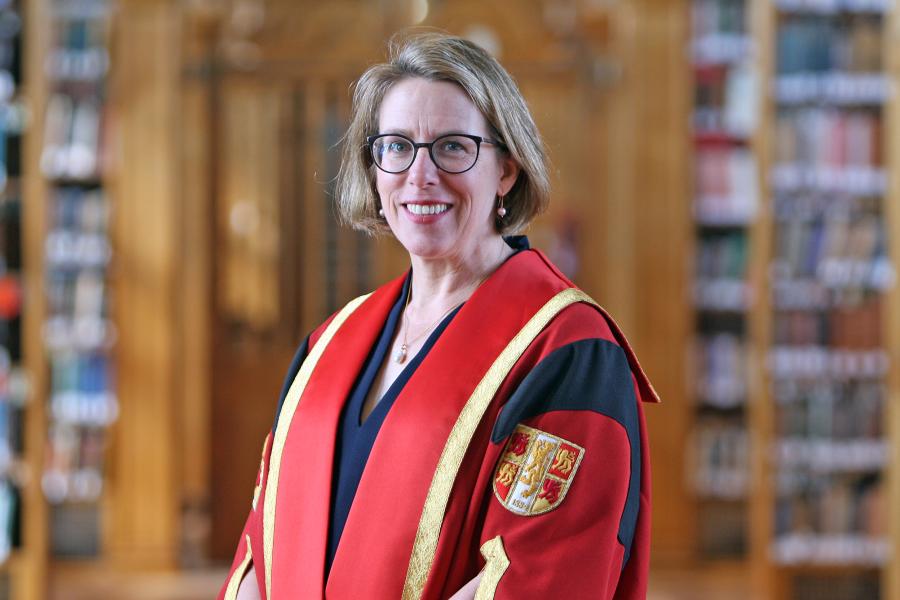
(396, 146)
(452, 146)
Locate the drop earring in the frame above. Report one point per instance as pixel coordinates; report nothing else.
(501, 211)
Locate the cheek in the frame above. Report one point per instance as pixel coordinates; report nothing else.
(384, 185)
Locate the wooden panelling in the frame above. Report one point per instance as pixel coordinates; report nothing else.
(142, 518)
(644, 226)
(247, 205)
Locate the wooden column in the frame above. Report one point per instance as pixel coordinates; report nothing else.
(761, 410)
(30, 580)
(644, 230)
(891, 310)
(143, 526)
(196, 176)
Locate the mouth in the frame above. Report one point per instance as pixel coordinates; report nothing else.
(426, 208)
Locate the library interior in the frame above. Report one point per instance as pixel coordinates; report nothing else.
(725, 181)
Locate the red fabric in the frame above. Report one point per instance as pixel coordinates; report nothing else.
(570, 551)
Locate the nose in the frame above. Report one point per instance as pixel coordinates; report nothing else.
(422, 171)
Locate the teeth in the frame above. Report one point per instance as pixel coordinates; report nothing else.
(427, 209)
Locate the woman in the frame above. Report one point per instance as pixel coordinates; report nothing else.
(474, 424)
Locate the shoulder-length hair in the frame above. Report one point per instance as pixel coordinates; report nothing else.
(441, 57)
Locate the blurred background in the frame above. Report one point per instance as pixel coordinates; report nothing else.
(725, 178)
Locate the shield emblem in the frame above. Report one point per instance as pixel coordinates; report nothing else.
(535, 471)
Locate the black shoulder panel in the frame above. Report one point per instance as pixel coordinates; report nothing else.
(591, 374)
(298, 359)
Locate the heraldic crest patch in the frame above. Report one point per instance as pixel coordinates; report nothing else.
(535, 471)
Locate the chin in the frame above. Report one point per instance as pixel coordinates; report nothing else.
(428, 250)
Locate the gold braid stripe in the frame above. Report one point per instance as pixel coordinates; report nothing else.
(425, 544)
(234, 583)
(497, 562)
(284, 424)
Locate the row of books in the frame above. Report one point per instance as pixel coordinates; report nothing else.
(723, 295)
(812, 207)
(828, 138)
(832, 518)
(80, 53)
(72, 138)
(724, 101)
(834, 88)
(721, 369)
(829, 550)
(82, 385)
(717, 17)
(837, 252)
(832, 7)
(848, 585)
(720, 466)
(794, 178)
(722, 255)
(74, 464)
(821, 44)
(79, 295)
(827, 455)
(825, 363)
(855, 326)
(725, 185)
(80, 210)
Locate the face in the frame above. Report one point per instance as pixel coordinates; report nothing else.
(434, 214)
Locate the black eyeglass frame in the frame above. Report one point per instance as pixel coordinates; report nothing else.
(370, 144)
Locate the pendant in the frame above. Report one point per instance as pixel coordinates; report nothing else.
(401, 354)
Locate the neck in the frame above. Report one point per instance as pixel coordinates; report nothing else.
(439, 282)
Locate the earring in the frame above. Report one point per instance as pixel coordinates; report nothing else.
(381, 212)
(501, 212)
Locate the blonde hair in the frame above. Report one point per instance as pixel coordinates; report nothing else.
(441, 57)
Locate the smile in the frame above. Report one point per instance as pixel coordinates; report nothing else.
(427, 209)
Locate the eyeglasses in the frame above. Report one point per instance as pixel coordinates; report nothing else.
(453, 153)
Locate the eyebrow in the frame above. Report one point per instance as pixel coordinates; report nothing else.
(407, 133)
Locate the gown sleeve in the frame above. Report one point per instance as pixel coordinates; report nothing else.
(569, 506)
(249, 541)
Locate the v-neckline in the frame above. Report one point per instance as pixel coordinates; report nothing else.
(379, 354)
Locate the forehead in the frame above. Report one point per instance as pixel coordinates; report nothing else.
(419, 106)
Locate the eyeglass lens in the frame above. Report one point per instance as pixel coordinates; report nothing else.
(452, 153)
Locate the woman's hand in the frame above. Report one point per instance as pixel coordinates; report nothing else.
(248, 589)
(467, 592)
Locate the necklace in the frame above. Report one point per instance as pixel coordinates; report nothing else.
(400, 357)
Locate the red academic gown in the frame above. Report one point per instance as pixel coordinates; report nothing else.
(490, 458)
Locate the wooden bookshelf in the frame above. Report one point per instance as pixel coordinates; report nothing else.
(53, 244)
(725, 210)
(825, 342)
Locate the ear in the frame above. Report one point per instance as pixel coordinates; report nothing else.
(509, 173)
